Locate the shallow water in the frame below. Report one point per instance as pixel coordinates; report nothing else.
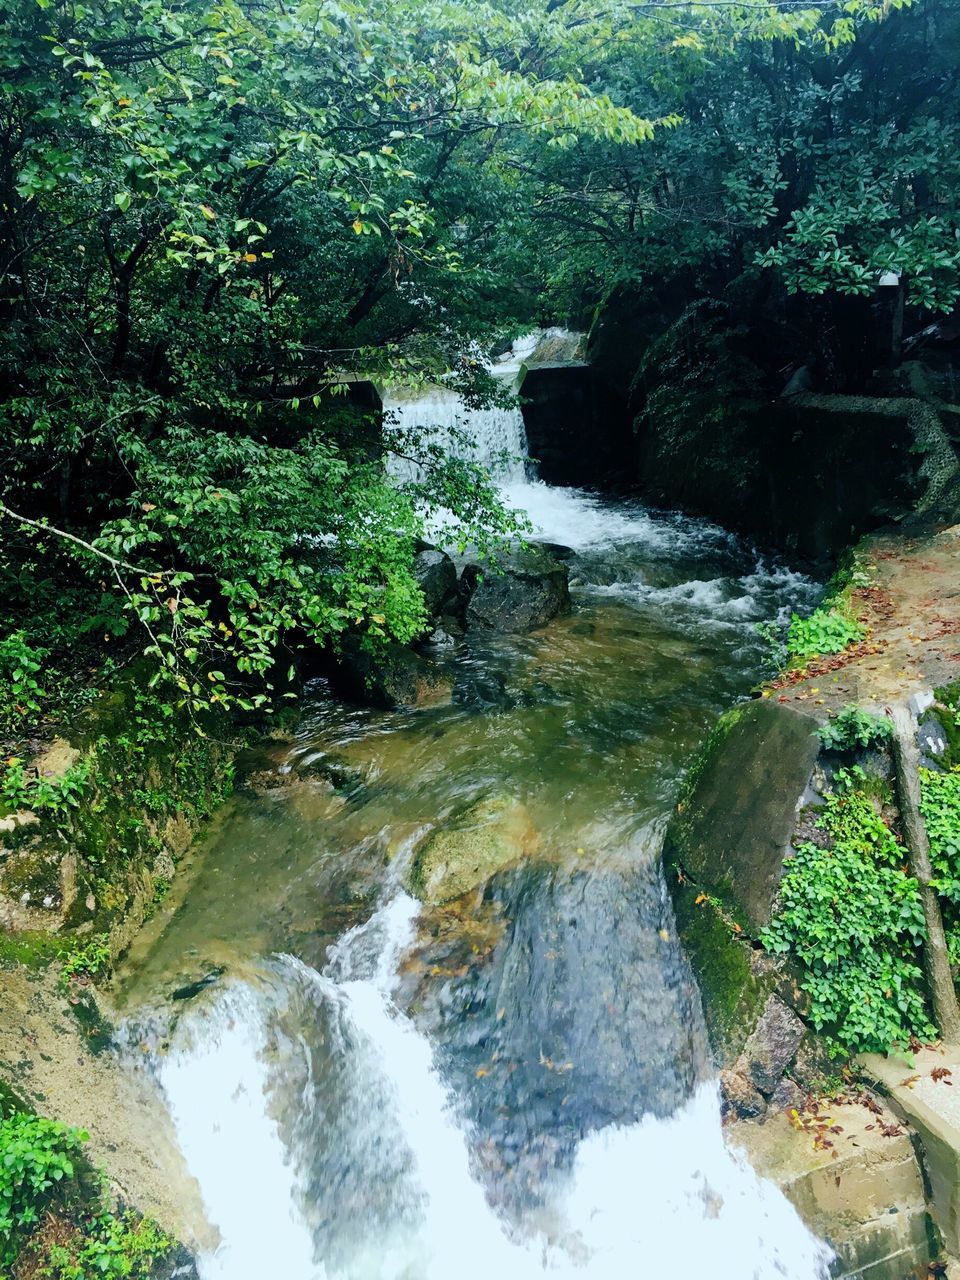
(370, 1090)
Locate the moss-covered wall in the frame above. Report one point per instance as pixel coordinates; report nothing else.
(149, 779)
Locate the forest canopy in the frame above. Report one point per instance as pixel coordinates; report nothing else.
(215, 215)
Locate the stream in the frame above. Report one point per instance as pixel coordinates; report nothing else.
(365, 1089)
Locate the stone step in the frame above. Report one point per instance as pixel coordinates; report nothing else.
(924, 1089)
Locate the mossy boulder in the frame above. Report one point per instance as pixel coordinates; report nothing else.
(491, 834)
(737, 811)
(397, 679)
(724, 852)
(525, 593)
(436, 576)
(734, 988)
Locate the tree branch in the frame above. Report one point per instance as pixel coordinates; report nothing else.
(80, 542)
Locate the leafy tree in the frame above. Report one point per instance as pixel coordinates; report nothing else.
(213, 213)
(217, 215)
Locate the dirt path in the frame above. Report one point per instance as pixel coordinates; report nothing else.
(912, 616)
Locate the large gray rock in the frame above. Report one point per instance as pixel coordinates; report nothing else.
(397, 679)
(771, 1046)
(531, 588)
(436, 575)
(736, 815)
(724, 852)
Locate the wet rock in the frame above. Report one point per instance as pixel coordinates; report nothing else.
(786, 1095)
(558, 550)
(399, 679)
(570, 1010)
(440, 638)
(192, 989)
(735, 818)
(492, 833)
(436, 576)
(482, 689)
(771, 1046)
(734, 984)
(741, 1098)
(863, 1195)
(531, 588)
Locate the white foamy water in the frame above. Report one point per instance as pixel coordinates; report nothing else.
(217, 1085)
(492, 436)
(642, 1199)
(578, 519)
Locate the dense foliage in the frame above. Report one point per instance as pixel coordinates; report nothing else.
(212, 214)
(852, 727)
(37, 1155)
(940, 807)
(850, 914)
(41, 1162)
(804, 171)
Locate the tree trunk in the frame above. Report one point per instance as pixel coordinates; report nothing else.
(936, 959)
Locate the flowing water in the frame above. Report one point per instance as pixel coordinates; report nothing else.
(517, 1085)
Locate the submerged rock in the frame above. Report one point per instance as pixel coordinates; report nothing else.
(567, 1007)
(532, 588)
(491, 834)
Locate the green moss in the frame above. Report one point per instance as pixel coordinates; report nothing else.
(35, 950)
(691, 779)
(733, 994)
(946, 711)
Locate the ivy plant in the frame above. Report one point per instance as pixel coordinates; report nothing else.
(829, 629)
(851, 917)
(37, 1159)
(853, 727)
(21, 690)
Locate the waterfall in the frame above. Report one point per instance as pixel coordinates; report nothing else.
(393, 1196)
(493, 436)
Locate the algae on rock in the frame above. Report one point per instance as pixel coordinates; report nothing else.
(491, 834)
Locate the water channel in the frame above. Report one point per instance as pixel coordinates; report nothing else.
(517, 1084)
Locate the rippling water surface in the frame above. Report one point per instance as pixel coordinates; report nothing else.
(516, 1085)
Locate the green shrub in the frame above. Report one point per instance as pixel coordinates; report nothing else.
(829, 629)
(87, 960)
(854, 727)
(851, 917)
(21, 694)
(37, 1158)
(109, 1247)
(940, 807)
(21, 789)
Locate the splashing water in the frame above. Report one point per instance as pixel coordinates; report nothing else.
(216, 1084)
(494, 436)
(645, 1194)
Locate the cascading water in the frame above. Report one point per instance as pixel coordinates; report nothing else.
(406, 1157)
(517, 1087)
(494, 436)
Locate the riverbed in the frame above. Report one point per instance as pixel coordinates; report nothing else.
(366, 1089)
